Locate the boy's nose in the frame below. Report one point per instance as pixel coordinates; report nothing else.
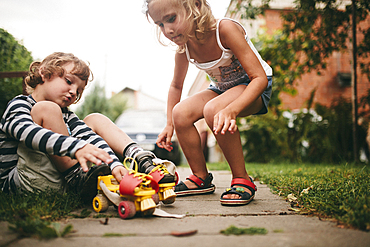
(73, 91)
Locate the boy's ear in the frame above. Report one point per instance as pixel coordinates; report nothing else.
(41, 74)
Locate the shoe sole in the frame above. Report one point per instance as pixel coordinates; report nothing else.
(196, 191)
(235, 202)
(90, 187)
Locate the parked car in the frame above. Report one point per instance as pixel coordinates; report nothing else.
(144, 126)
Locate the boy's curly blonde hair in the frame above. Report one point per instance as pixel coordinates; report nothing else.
(53, 65)
(201, 17)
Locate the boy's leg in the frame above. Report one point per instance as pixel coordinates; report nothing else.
(114, 136)
(122, 144)
(48, 115)
(185, 114)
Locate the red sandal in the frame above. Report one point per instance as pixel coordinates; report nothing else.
(245, 197)
(203, 186)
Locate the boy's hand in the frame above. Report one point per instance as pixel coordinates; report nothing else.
(93, 154)
(118, 172)
(164, 138)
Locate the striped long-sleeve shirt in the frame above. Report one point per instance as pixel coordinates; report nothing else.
(17, 126)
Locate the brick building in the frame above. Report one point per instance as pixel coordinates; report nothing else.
(334, 82)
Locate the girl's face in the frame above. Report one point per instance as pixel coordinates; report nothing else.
(61, 90)
(169, 16)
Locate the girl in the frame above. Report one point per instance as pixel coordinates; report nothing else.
(240, 86)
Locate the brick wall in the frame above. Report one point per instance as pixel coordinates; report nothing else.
(327, 84)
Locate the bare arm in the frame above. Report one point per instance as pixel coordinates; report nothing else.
(174, 96)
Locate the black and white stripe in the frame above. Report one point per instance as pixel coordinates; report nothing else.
(17, 126)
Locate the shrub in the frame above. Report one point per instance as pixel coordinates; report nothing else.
(322, 134)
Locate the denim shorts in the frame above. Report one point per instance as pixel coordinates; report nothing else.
(266, 95)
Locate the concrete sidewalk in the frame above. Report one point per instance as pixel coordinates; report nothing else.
(205, 215)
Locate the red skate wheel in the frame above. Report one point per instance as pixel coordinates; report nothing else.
(155, 198)
(126, 209)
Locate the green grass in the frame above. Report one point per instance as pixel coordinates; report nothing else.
(233, 230)
(34, 215)
(340, 192)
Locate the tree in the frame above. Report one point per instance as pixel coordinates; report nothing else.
(96, 101)
(13, 57)
(317, 28)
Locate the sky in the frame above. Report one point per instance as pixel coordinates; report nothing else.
(114, 36)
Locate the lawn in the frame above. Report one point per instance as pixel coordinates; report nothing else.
(336, 192)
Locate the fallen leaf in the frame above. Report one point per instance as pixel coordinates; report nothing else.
(291, 198)
(104, 222)
(183, 234)
(305, 191)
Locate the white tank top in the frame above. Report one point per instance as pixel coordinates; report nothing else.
(227, 71)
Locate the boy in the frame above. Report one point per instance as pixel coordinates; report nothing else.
(44, 145)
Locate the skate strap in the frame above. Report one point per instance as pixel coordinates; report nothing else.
(136, 179)
(112, 196)
(128, 184)
(160, 213)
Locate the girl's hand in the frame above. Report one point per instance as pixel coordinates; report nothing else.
(164, 138)
(93, 154)
(224, 121)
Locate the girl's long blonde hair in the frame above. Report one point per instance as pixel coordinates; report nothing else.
(196, 11)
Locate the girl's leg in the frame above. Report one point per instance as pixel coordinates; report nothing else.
(230, 144)
(48, 115)
(185, 114)
(104, 127)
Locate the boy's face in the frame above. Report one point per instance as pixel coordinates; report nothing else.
(61, 90)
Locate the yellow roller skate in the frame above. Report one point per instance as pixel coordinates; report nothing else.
(162, 171)
(134, 194)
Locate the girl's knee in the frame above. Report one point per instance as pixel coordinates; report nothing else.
(209, 111)
(176, 114)
(181, 115)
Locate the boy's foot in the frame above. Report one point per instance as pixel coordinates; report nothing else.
(146, 165)
(85, 183)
